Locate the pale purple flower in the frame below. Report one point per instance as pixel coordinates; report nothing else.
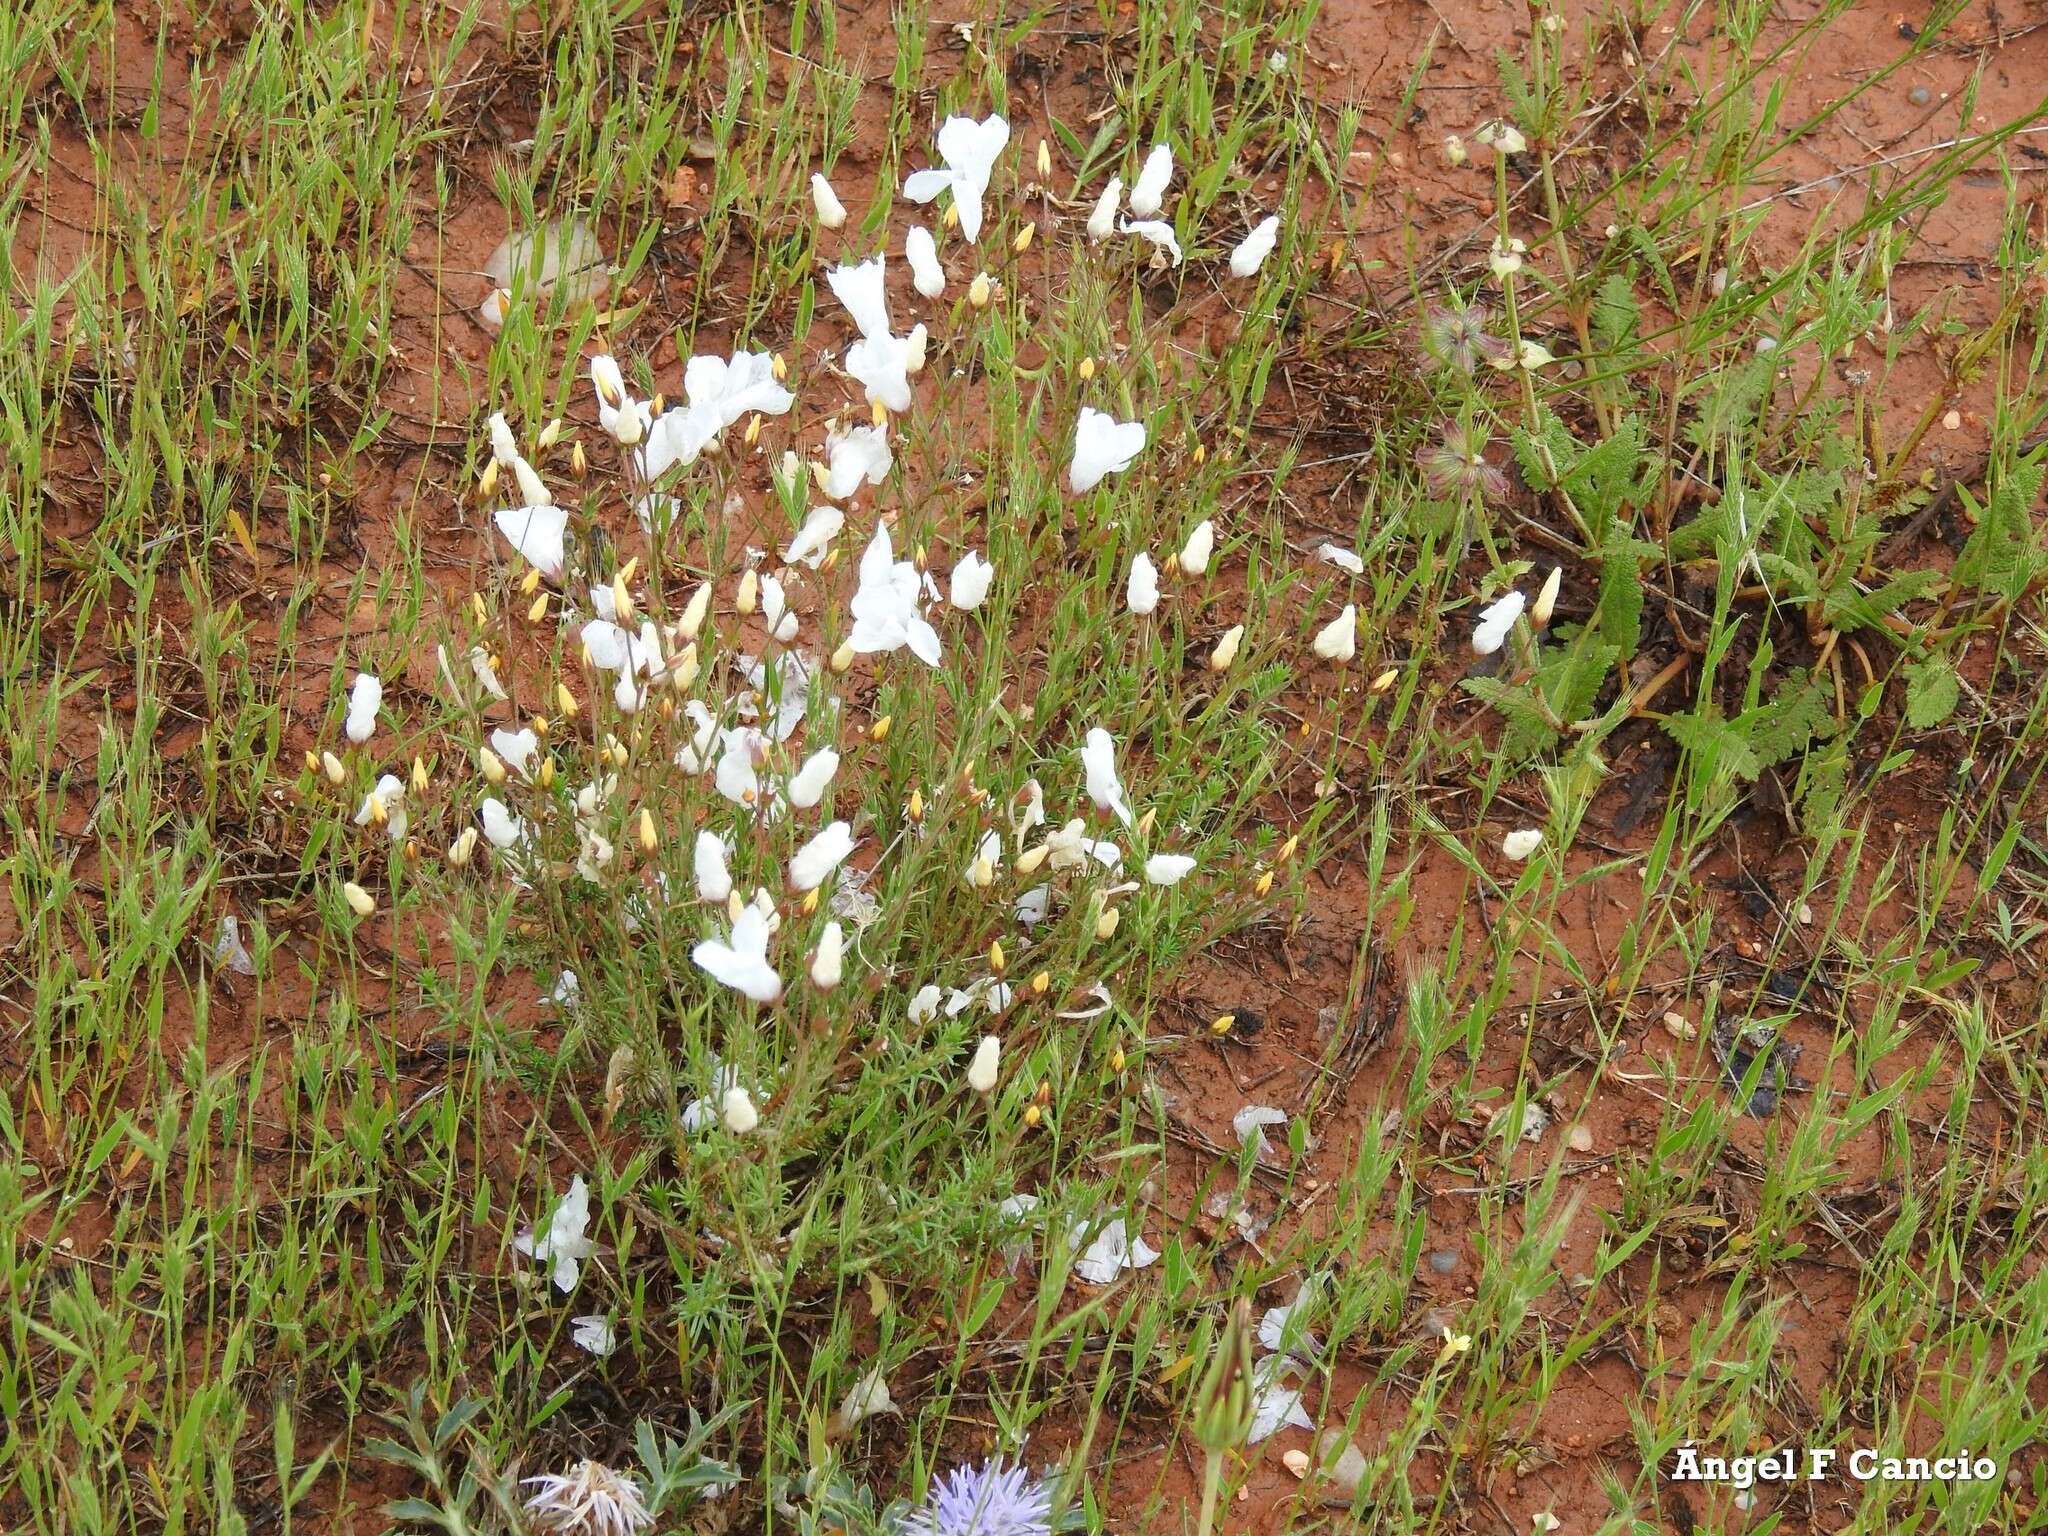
(989, 1500)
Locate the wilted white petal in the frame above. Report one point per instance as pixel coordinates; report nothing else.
(1252, 251)
(1495, 622)
(1110, 1252)
(593, 1334)
(1158, 232)
(365, 698)
(811, 864)
(926, 275)
(1518, 845)
(1343, 558)
(1249, 1124)
(1149, 190)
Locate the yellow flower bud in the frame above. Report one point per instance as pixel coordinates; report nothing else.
(1116, 1059)
(916, 807)
(493, 765)
(683, 670)
(538, 608)
(462, 849)
(843, 657)
(478, 610)
(749, 593)
(1220, 1025)
(1105, 925)
(1032, 1115)
(530, 582)
(1386, 680)
(810, 901)
(878, 413)
(879, 731)
(1040, 983)
(979, 291)
(565, 702)
(549, 436)
(1287, 849)
(622, 599)
(780, 368)
(1044, 159)
(648, 840)
(1264, 884)
(1029, 860)
(547, 773)
(579, 463)
(487, 482)
(1226, 649)
(312, 761)
(1087, 369)
(753, 429)
(996, 962)
(1023, 241)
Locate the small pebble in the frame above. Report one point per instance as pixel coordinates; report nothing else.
(1295, 1462)
(1581, 1139)
(1444, 1261)
(1805, 914)
(1952, 420)
(1920, 96)
(1679, 1027)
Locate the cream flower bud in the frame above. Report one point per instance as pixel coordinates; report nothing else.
(463, 848)
(1194, 555)
(1338, 640)
(736, 1108)
(1226, 649)
(1102, 221)
(1105, 925)
(1518, 845)
(694, 611)
(831, 212)
(983, 1071)
(827, 964)
(1546, 600)
(979, 291)
(360, 901)
(331, 766)
(750, 587)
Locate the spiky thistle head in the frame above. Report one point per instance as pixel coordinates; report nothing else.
(993, 1499)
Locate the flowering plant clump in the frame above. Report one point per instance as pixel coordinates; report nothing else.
(739, 737)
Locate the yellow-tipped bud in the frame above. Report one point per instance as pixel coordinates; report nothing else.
(487, 482)
(493, 766)
(683, 670)
(1116, 1059)
(951, 217)
(1288, 848)
(1386, 680)
(753, 433)
(1032, 1115)
(1220, 1025)
(1040, 983)
(579, 463)
(734, 906)
(378, 815)
(547, 773)
(694, 612)
(1044, 159)
(462, 849)
(648, 840)
(1201, 454)
(878, 413)
(622, 599)
(550, 435)
(1263, 886)
(565, 702)
(810, 901)
(1145, 821)
(996, 960)
(478, 610)
(780, 367)
(879, 731)
(312, 761)
(1226, 649)
(916, 807)
(630, 571)
(1022, 242)
(982, 875)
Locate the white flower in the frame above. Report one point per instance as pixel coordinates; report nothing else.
(1338, 640)
(831, 212)
(1141, 592)
(538, 533)
(714, 878)
(828, 963)
(1531, 355)
(516, 749)
(883, 365)
(1168, 868)
(1249, 1125)
(856, 457)
(623, 418)
(590, 1499)
(736, 1109)
(593, 1334)
(969, 149)
(1342, 558)
(885, 609)
(385, 804)
(1159, 232)
(926, 275)
(808, 784)
(775, 610)
(1112, 1251)
(1254, 248)
(1150, 188)
(1201, 544)
(971, 578)
(988, 858)
(1033, 905)
(1519, 844)
(1494, 623)
(718, 392)
(533, 492)
(988, 992)
(737, 778)
(812, 540)
(1505, 256)
(365, 698)
(485, 674)
(565, 1245)
(741, 962)
(1275, 1404)
(1284, 1330)
(863, 291)
(501, 827)
(1102, 221)
(1102, 445)
(983, 1071)
(1098, 762)
(864, 1399)
(1504, 137)
(811, 864)
(924, 1007)
(593, 853)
